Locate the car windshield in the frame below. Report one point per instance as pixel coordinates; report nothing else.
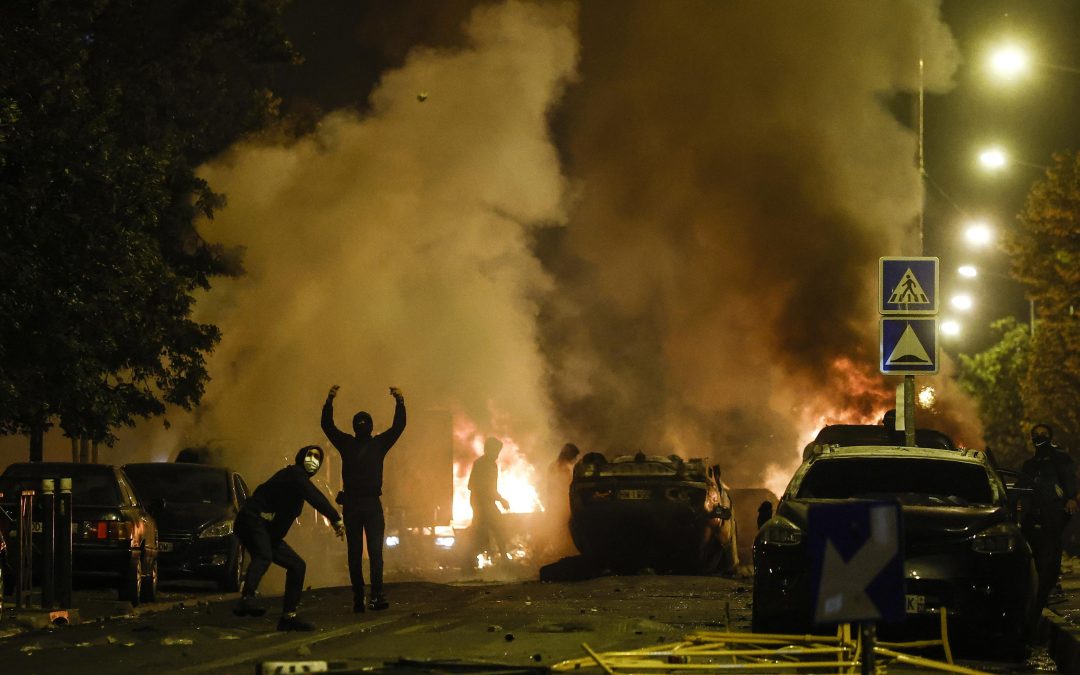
(90, 485)
(917, 481)
(179, 483)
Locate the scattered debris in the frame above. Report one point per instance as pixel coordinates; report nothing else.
(509, 637)
(177, 642)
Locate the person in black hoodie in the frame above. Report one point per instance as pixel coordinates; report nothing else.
(361, 475)
(263, 522)
(1053, 501)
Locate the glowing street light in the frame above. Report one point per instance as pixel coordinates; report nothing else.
(950, 327)
(978, 233)
(993, 159)
(968, 271)
(962, 301)
(1009, 61)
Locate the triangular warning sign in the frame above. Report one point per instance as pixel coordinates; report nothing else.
(908, 349)
(908, 291)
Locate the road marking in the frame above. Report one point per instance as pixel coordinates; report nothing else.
(291, 645)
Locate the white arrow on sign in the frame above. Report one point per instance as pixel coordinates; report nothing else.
(843, 584)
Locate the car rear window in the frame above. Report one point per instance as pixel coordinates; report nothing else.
(922, 481)
(179, 483)
(90, 485)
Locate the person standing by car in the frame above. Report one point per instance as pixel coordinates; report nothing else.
(1053, 500)
(262, 524)
(361, 475)
(483, 496)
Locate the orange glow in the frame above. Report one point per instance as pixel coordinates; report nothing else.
(517, 476)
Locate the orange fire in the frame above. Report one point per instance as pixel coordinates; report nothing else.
(517, 476)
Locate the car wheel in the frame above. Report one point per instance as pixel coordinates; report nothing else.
(148, 592)
(131, 586)
(234, 572)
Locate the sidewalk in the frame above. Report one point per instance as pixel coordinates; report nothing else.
(1059, 627)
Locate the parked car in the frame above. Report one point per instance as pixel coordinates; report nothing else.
(962, 548)
(114, 537)
(639, 511)
(195, 506)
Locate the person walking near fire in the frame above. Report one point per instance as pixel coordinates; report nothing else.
(1053, 501)
(362, 457)
(261, 526)
(483, 496)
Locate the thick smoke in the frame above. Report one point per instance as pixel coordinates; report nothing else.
(740, 174)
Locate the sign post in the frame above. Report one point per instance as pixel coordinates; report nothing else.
(908, 303)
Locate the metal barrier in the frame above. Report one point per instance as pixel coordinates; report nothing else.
(54, 530)
(48, 543)
(24, 528)
(63, 542)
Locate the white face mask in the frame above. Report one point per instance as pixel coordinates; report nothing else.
(312, 463)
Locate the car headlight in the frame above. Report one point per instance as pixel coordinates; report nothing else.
(221, 528)
(998, 539)
(392, 541)
(780, 532)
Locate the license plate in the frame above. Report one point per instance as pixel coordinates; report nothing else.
(165, 546)
(915, 604)
(634, 494)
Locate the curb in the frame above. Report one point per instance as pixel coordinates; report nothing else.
(1062, 641)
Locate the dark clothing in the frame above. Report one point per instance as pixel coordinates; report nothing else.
(1053, 474)
(281, 499)
(483, 493)
(265, 519)
(361, 476)
(255, 535)
(365, 516)
(362, 458)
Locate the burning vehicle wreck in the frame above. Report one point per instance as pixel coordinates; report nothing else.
(640, 511)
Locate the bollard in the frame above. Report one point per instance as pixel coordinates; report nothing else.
(24, 573)
(63, 543)
(48, 543)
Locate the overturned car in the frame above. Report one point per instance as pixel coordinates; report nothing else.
(667, 514)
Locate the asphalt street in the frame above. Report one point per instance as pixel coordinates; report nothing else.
(526, 624)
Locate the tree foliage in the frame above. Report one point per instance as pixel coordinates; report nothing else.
(994, 378)
(1045, 252)
(106, 108)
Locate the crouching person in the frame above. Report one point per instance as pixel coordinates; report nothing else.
(262, 524)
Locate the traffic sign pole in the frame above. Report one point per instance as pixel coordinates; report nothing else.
(909, 411)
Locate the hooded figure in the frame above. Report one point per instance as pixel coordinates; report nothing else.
(1053, 499)
(361, 475)
(483, 496)
(263, 522)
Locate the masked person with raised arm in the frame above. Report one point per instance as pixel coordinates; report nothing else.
(361, 475)
(263, 522)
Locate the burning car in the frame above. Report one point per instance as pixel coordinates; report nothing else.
(640, 511)
(962, 548)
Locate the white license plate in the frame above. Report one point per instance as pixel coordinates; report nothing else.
(635, 494)
(915, 604)
(165, 546)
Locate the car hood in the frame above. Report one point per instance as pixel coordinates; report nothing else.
(190, 517)
(921, 524)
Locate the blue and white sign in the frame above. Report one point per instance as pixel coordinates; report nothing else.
(908, 286)
(856, 562)
(909, 345)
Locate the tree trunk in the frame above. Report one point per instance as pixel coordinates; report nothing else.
(84, 450)
(74, 449)
(37, 442)
(94, 452)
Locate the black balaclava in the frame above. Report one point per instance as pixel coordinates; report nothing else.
(1041, 436)
(310, 458)
(361, 424)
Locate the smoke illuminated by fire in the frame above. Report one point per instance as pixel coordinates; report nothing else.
(517, 476)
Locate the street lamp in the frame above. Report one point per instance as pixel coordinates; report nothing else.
(978, 233)
(993, 159)
(968, 271)
(950, 327)
(961, 301)
(1009, 61)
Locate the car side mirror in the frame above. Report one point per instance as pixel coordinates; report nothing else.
(722, 512)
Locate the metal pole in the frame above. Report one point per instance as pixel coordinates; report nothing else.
(909, 411)
(867, 633)
(24, 576)
(63, 542)
(48, 545)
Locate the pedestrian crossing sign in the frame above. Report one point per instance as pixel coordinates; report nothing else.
(909, 345)
(908, 285)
